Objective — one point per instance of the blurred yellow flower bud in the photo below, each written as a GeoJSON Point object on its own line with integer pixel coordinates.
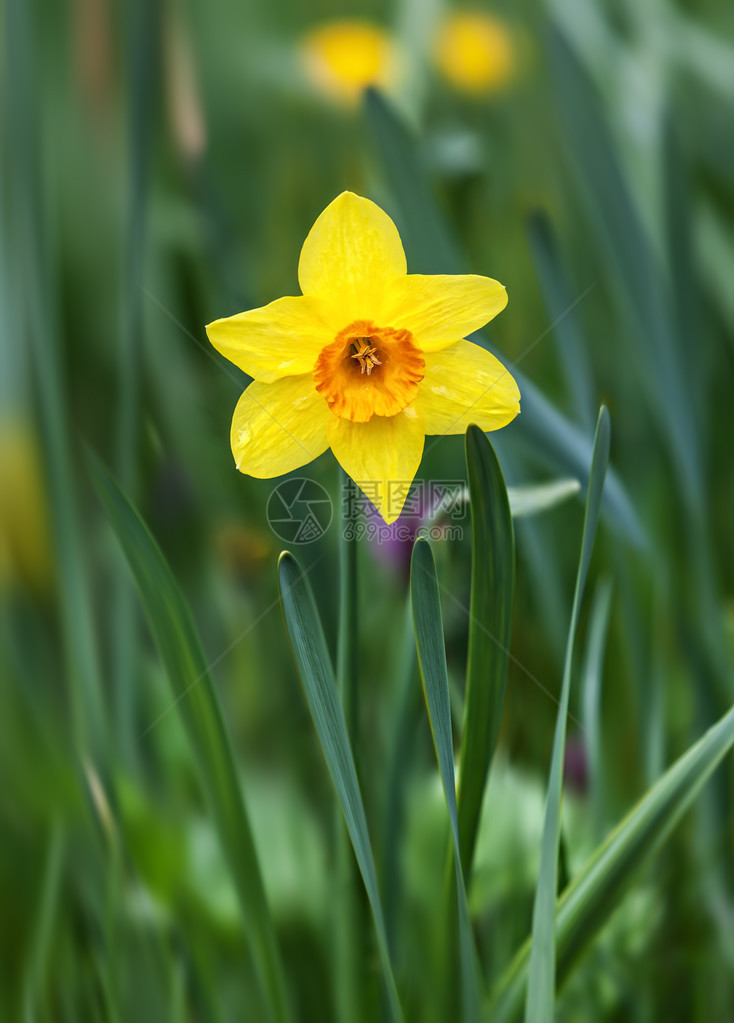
{"type": "Point", "coordinates": [342, 58]}
{"type": "Point", "coordinates": [243, 551]}
{"type": "Point", "coordinates": [25, 549]}
{"type": "Point", "coordinates": [475, 52]}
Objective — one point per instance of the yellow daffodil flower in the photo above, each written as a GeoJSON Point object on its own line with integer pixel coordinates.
{"type": "Point", "coordinates": [475, 52]}
{"type": "Point", "coordinates": [367, 361]}
{"type": "Point", "coordinates": [342, 58]}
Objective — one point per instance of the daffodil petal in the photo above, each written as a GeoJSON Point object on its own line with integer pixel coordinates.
{"type": "Point", "coordinates": [438, 310]}
{"type": "Point", "coordinates": [382, 456]}
{"type": "Point", "coordinates": [465, 384]}
{"type": "Point", "coordinates": [278, 427]}
{"type": "Point", "coordinates": [351, 253]}
{"type": "Point", "coordinates": [277, 340]}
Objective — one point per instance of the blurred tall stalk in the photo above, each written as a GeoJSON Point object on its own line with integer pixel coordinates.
{"type": "Point", "coordinates": [33, 288]}
{"type": "Point", "coordinates": [142, 78]}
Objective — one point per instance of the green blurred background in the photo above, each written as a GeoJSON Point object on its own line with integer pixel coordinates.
{"type": "Point", "coordinates": [162, 164]}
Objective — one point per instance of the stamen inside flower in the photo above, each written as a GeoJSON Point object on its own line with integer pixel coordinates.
{"type": "Point", "coordinates": [369, 371]}
{"type": "Point", "coordinates": [365, 352]}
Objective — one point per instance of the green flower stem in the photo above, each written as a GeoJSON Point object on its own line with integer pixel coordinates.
{"type": "Point", "coordinates": [349, 923]}
{"type": "Point", "coordinates": [347, 652]}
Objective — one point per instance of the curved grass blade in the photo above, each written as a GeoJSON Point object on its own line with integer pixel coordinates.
{"type": "Point", "coordinates": [431, 248]}
{"type": "Point", "coordinates": [428, 625]}
{"type": "Point", "coordinates": [317, 677]}
{"type": "Point", "coordinates": [540, 497]}
{"type": "Point", "coordinates": [541, 982]}
{"type": "Point", "coordinates": [196, 700]}
{"type": "Point", "coordinates": [490, 620]}
{"type": "Point", "coordinates": [526, 500]}
{"type": "Point", "coordinates": [595, 892]}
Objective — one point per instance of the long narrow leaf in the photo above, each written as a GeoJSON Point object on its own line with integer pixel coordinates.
{"type": "Point", "coordinates": [568, 449]}
{"type": "Point", "coordinates": [142, 53]}
{"type": "Point", "coordinates": [428, 625]}
{"type": "Point", "coordinates": [594, 894]}
{"type": "Point", "coordinates": [490, 619]}
{"type": "Point", "coordinates": [591, 699]}
{"type": "Point", "coordinates": [535, 498]}
{"type": "Point", "coordinates": [612, 211]}
{"type": "Point", "coordinates": [197, 703]}
{"type": "Point", "coordinates": [558, 298]}
{"type": "Point", "coordinates": [33, 295]}
{"type": "Point", "coordinates": [541, 985]}
{"type": "Point", "coordinates": [317, 676]}
{"type": "Point", "coordinates": [43, 921]}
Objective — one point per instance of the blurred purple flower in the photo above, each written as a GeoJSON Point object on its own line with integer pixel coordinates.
{"type": "Point", "coordinates": [392, 545]}
{"type": "Point", "coordinates": [576, 765]}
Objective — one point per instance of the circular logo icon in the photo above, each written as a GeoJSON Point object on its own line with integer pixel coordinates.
{"type": "Point", "coordinates": [299, 510]}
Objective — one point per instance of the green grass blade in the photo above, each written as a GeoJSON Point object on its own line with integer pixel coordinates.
{"type": "Point", "coordinates": [33, 294]}
{"type": "Point", "coordinates": [595, 892]}
{"type": "Point", "coordinates": [44, 920]}
{"type": "Point", "coordinates": [558, 298]}
{"type": "Point", "coordinates": [431, 249]}
{"type": "Point", "coordinates": [591, 685]}
{"type": "Point", "coordinates": [317, 676]}
{"type": "Point", "coordinates": [428, 625]}
{"type": "Point", "coordinates": [612, 212]}
{"type": "Point", "coordinates": [142, 52]}
{"type": "Point", "coordinates": [717, 261]}
{"type": "Point", "coordinates": [490, 620]}
{"type": "Point", "coordinates": [684, 272]}
{"type": "Point", "coordinates": [567, 448]}
{"type": "Point", "coordinates": [541, 982]}
{"type": "Point", "coordinates": [197, 703]}
{"type": "Point", "coordinates": [540, 497]}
